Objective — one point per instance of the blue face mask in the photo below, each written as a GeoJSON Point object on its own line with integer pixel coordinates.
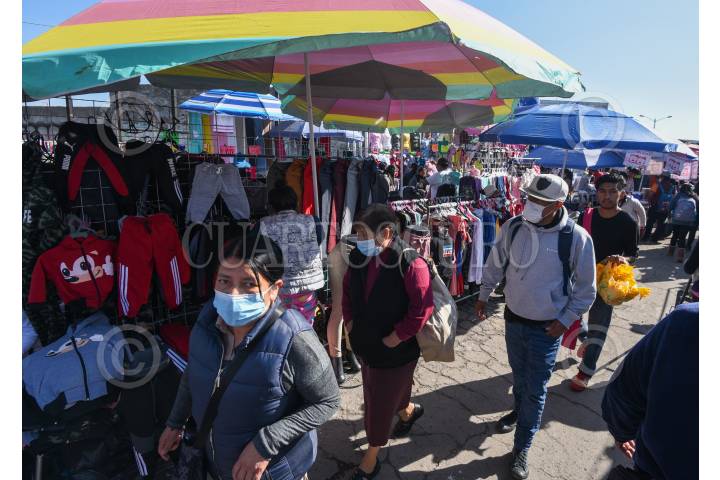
{"type": "Point", "coordinates": [239, 310]}
{"type": "Point", "coordinates": [368, 247]}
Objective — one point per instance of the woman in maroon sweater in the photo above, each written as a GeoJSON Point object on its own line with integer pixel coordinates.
{"type": "Point", "coordinates": [387, 298]}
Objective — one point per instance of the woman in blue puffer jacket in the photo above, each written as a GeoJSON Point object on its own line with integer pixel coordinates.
{"type": "Point", "coordinates": [285, 389]}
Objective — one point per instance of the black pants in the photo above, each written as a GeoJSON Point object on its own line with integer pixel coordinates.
{"type": "Point", "coordinates": [655, 219]}
{"type": "Point", "coordinates": [682, 236]}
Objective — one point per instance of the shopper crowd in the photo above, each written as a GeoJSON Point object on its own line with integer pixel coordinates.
{"type": "Point", "coordinates": [257, 382]}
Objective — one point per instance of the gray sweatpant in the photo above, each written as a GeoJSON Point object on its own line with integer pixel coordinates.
{"type": "Point", "coordinates": [211, 180]}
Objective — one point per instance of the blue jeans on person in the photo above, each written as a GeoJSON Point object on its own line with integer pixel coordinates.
{"type": "Point", "coordinates": [599, 319]}
{"type": "Point", "coordinates": [531, 352]}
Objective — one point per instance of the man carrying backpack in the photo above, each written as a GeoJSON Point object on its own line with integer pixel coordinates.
{"type": "Point", "coordinates": [659, 209]}
{"type": "Point", "coordinates": [549, 267]}
{"type": "Point", "coordinates": [684, 210]}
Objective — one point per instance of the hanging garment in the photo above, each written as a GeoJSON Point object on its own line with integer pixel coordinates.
{"type": "Point", "coordinates": [146, 243]}
{"type": "Point", "coordinates": [295, 178]}
{"type": "Point", "coordinates": [308, 198]}
{"type": "Point", "coordinates": [56, 369]}
{"type": "Point", "coordinates": [380, 188]}
{"type": "Point", "coordinates": [42, 221]}
{"type": "Point", "coordinates": [352, 195]}
{"type": "Point", "coordinates": [277, 173]}
{"type": "Point", "coordinates": [79, 268]}
{"type": "Point", "coordinates": [195, 134]}
{"type": "Point", "coordinates": [211, 180]}
{"type": "Point", "coordinates": [208, 143]}
{"type": "Point", "coordinates": [146, 162]}
{"type": "Point", "coordinates": [367, 180]}
{"type": "Point", "coordinates": [340, 173]}
{"type": "Point", "coordinates": [477, 256]}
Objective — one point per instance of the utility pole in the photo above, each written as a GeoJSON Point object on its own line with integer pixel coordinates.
{"type": "Point", "coordinates": [655, 120]}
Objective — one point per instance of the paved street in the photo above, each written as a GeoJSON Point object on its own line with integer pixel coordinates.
{"type": "Point", "coordinates": [455, 439]}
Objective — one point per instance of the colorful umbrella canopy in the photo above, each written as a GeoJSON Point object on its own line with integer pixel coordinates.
{"type": "Point", "coordinates": [252, 44]}
{"type": "Point", "coordinates": [576, 159]}
{"type": "Point", "coordinates": [237, 104]}
{"type": "Point", "coordinates": [411, 115]}
{"type": "Point", "coordinates": [575, 126]}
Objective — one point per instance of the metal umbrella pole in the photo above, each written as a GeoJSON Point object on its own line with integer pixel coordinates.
{"type": "Point", "coordinates": [311, 139]}
{"type": "Point", "coordinates": [402, 132]}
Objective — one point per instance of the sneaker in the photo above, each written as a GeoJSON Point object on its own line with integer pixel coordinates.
{"type": "Point", "coordinates": [507, 423]}
{"type": "Point", "coordinates": [579, 382]}
{"type": "Point", "coordinates": [519, 467]}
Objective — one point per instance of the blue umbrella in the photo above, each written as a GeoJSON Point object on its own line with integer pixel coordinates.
{"type": "Point", "coordinates": [575, 126]}
{"type": "Point", "coordinates": [237, 104]}
{"type": "Point", "coordinates": [576, 159]}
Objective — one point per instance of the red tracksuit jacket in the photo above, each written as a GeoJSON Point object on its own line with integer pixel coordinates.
{"type": "Point", "coordinates": [80, 268]}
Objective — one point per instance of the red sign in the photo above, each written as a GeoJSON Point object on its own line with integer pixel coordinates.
{"type": "Point", "coordinates": [254, 150]}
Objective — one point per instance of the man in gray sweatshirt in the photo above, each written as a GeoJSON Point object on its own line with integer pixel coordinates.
{"type": "Point", "coordinates": [544, 293]}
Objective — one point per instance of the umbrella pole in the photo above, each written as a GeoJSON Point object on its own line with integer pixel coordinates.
{"type": "Point", "coordinates": [402, 133]}
{"type": "Point", "coordinates": [311, 139]}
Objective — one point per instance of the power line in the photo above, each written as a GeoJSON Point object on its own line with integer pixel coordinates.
{"type": "Point", "coordinates": [38, 24]}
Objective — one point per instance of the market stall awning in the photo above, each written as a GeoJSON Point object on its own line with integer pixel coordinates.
{"type": "Point", "coordinates": [412, 115]}
{"type": "Point", "coordinates": [237, 104]}
{"type": "Point", "coordinates": [576, 159]}
{"type": "Point", "coordinates": [300, 128]}
{"type": "Point", "coordinates": [252, 44]}
{"type": "Point", "coordinates": [576, 126]}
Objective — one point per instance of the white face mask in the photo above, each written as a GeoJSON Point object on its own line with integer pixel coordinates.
{"type": "Point", "coordinates": [533, 212]}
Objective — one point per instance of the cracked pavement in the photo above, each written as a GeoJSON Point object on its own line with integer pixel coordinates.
{"type": "Point", "coordinates": [455, 439]}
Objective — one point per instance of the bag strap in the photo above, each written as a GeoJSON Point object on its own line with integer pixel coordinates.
{"type": "Point", "coordinates": [513, 228]}
{"type": "Point", "coordinates": [587, 220]}
{"type": "Point", "coordinates": [565, 239]}
{"type": "Point", "coordinates": [225, 377]}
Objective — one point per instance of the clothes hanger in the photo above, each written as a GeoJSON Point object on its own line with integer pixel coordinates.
{"type": "Point", "coordinates": [78, 228]}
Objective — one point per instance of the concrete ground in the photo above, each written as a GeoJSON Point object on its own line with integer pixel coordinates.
{"type": "Point", "coordinates": [455, 440]}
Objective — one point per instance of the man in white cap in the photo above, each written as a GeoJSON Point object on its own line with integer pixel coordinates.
{"type": "Point", "coordinates": [549, 267]}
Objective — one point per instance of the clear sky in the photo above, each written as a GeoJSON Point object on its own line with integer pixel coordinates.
{"type": "Point", "coordinates": [640, 54]}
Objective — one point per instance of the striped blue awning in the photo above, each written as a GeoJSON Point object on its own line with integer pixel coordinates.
{"type": "Point", "coordinates": [237, 104]}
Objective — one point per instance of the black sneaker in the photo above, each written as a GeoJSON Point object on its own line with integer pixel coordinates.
{"type": "Point", "coordinates": [507, 423]}
{"type": "Point", "coordinates": [519, 467]}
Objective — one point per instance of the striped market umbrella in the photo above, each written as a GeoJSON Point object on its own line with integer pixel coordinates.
{"type": "Point", "coordinates": [237, 104]}
{"type": "Point", "coordinates": [249, 45]}
{"type": "Point", "coordinates": [409, 49]}
{"type": "Point", "coordinates": [399, 116]}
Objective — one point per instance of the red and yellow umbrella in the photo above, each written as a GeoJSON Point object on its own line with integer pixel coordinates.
{"type": "Point", "coordinates": [443, 49]}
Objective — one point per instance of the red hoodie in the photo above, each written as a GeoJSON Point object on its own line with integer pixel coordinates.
{"type": "Point", "coordinates": [80, 268]}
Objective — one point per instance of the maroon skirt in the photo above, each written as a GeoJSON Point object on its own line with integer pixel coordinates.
{"type": "Point", "coordinates": [386, 391]}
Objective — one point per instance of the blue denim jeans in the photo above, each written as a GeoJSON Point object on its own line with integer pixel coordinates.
{"type": "Point", "coordinates": [598, 325]}
{"type": "Point", "coordinates": [531, 353]}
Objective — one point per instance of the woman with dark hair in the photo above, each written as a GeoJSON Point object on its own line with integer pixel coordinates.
{"type": "Point", "coordinates": [387, 299]}
{"type": "Point", "coordinates": [280, 389]}
{"type": "Point", "coordinates": [299, 237]}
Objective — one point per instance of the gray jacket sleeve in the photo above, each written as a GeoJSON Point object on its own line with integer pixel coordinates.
{"type": "Point", "coordinates": [584, 285]}
{"type": "Point", "coordinates": [308, 371]}
{"type": "Point", "coordinates": [640, 210]}
{"type": "Point", "coordinates": [494, 268]}
{"type": "Point", "coordinates": [182, 406]}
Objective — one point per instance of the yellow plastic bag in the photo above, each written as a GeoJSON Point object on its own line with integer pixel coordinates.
{"type": "Point", "coordinates": [616, 283]}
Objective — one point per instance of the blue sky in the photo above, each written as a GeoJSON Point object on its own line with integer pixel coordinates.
{"type": "Point", "coordinates": [640, 54]}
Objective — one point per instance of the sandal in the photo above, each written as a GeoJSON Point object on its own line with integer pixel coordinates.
{"type": "Point", "coordinates": [402, 427]}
